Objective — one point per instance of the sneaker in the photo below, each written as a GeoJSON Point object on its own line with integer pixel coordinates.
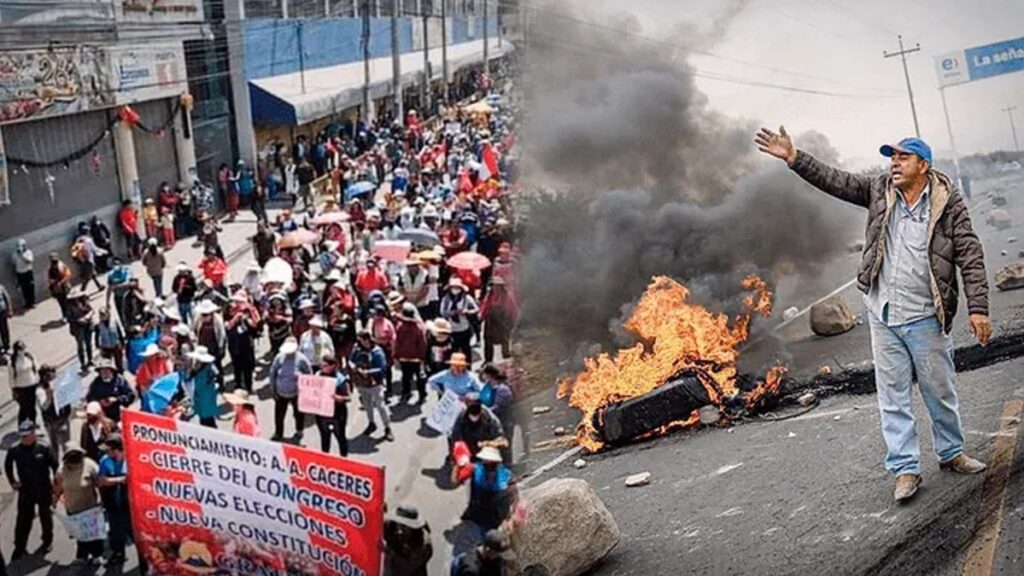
{"type": "Point", "coordinates": [370, 429]}
{"type": "Point", "coordinates": [297, 437]}
{"type": "Point", "coordinates": [44, 549]}
{"type": "Point", "coordinates": [906, 487]}
{"type": "Point", "coordinates": [963, 464]}
{"type": "Point", "coordinates": [388, 435]}
{"type": "Point", "coordinates": [116, 558]}
{"type": "Point", "coordinates": [276, 438]}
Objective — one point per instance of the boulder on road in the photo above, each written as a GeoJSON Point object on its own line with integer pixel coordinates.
{"type": "Point", "coordinates": [1011, 276]}
{"type": "Point", "coordinates": [568, 530]}
{"type": "Point", "coordinates": [831, 317]}
{"type": "Point", "coordinates": [999, 219]}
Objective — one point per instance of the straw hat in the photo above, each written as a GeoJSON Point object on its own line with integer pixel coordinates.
{"type": "Point", "coordinates": [206, 307]}
{"type": "Point", "coordinates": [171, 313]}
{"type": "Point", "coordinates": [395, 298]}
{"type": "Point", "coordinates": [334, 276]}
{"type": "Point", "coordinates": [306, 304]}
{"type": "Point", "coordinates": [93, 409]}
{"type": "Point", "coordinates": [290, 346]}
{"type": "Point", "coordinates": [201, 354]}
{"type": "Point", "coordinates": [456, 282]}
{"type": "Point", "coordinates": [182, 330]}
{"type": "Point", "coordinates": [240, 296]}
{"type": "Point", "coordinates": [239, 398]}
{"type": "Point", "coordinates": [407, 516]}
{"type": "Point", "coordinates": [317, 321]}
{"type": "Point", "coordinates": [151, 350]}
{"type": "Point", "coordinates": [489, 454]}
{"type": "Point", "coordinates": [441, 326]}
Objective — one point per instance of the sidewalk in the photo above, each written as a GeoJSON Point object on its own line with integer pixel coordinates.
{"type": "Point", "coordinates": [51, 342]}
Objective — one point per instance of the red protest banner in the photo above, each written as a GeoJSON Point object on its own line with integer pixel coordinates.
{"type": "Point", "coordinates": [316, 395]}
{"type": "Point", "coordinates": [208, 501]}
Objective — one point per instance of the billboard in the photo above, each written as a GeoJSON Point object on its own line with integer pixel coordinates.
{"type": "Point", "coordinates": [980, 62]}
{"type": "Point", "coordinates": [208, 501]}
{"type": "Point", "coordinates": [148, 72]}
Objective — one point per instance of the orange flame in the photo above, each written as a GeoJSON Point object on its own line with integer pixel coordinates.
{"type": "Point", "coordinates": [674, 335]}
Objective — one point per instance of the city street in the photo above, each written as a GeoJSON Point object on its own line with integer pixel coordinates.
{"type": "Point", "coordinates": [413, 462]}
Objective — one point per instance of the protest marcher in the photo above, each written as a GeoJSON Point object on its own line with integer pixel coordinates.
{"type": "Point", "coordinates": [920, 228]}
{"type": "Point", "coordinates": [29, 466]}
{"type": "Point", "coordinates": [457, 378]}
{"type": "Point", "coordinates": [55, 422]}
{"type": "Point", "coordinates": [211, 333]}
{"type": "Point", "coordinates": [58, 280]}
{"type": "Point", "coordinates": [315, 343]}
{"type": "Point", "coordinates": [252, 283]}
{"type": "Point", "coordinates": [118, 287]}
{"type": "Point", "coordinates": [279, 321]}
{"type": "Point", "coordinates": [203, 375]}
{"type": "Point", "coordinates": [139, 338]}
{"type": "Point", "coordinates": [155, 262]}
{"type": "Point", "coordinates": [128, 223]}
{"type": "Point", "coordinates": [214, 269]}
{"type": "Point", "coordinates": [439, 346]}
{"type": "Point", "coordinates": [491, 493]}
{"type": "Point", "coordinates": [458, 306]}
{"type": "Point", "coordinates": [407, 545]}
{"type": "Point", "coordinates": [24, 261]}
{"type": "Point", "coordinates": [84, 253]}
{"type": "Point", "coordinates": [242, 329]}
{"type": "Point", "coordinates": [304, 174]}
{"type": "Point", "coordinates": [82, 325]}
{"type": "Point", "coordinates": [383, 331]}
{"type": "Point", "coordinates": [24, 375]}
{"type": "Point", "coordinates": [184, 288]}
{"type": "Point", "coordinates": [154, 366]}
{"type": "Point", "coordinates": [499, 397]}
{"type": "Point", "coordinates": [477, 426]}
{"type": "Point", "coordinates": [6, 312]}
{"type": "Point", "coordinates": [334, 425]}
{"type": "Point", "coordinates": [150, 219]}
{"type": "Point", "coordinates": [367, 366]}
{"type": "Point", "coordinates": [499, 312]}
{"type": "Point", "coordinates": [284, 381]}
{"type": "Point", "coordinates": [110, 338]}
{"type": "Point", "coordinates": [264, 244]}
{"type": "Point", "coordinates": [110, 390]}
{"type": "Point", "coordinates": [76, 485]}
{"type": "Point", "coordinates": [113, 484]}
{"type": "Point", "coordinates": [370, 279]}
{"type": "Point", "coordinates": [95, 430]}
{"type": "Point", "coordinates": [102, 239]}
{"type": "Point", "coordinates": [247, 423]}
{"type": "Point", "coordinates": [492, 557]}
{"type": "Point", "coordinates": [410, 351]}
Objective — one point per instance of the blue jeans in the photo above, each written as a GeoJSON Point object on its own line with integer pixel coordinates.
{"type": "Point", "coordinates": [158, 285]}
{"type": "Point", "coordinates": [899, 352]}
{"type": "Point", "coordinates": [185, 310]}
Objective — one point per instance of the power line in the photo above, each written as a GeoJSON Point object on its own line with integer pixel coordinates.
{"type": "Point", "coordinates": [869, 23]}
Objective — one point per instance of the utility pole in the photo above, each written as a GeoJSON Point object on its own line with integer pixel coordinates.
{"type": "Point", "coordinates": [367, 113]}
{"type": "Point", "coordinates": [444, 47]}
{"type": "Point", "coordinates": [1013, 129]}
{"type": "Point", "coordinates": [903, 57]}
{"type": "Point", "coordinates": [497, 16]}
{"type": "Point", "coordinates": [396, 64]}
{"type": "Point", "coordinates": [427, 7]}
{"type": "Point", "coordinates": [487, 55]}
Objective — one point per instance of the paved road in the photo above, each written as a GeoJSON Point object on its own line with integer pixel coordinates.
{"type": "Point", "coordinates": [810, 495]}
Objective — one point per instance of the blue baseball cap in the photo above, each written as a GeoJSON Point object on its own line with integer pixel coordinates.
{"type": "Point", "coordinates": [911, 145]}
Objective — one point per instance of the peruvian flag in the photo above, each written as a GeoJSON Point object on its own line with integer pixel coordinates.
{"type": "Point", "coordinates": [489, 163]}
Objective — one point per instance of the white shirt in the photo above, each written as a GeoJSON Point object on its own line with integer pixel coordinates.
{"type": "Point", "coordinates": [411, 286]}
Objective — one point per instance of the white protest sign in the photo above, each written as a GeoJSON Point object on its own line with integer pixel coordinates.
{"type": "Point", "coordinates": [446, 412]}
{"type": "Point", "coordinates": [87, 526]}
{"type": "Point", "coordinates": [316, 395]}
{"type": "Point", "coordinates": [67, 389]}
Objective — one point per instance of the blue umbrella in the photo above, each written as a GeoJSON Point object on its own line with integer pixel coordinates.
{"type": "Point", "coordinates": [361, 188]}
{"type": "Point", "coordinates": [162, 391]}
{"type": "Point", "coordinates": [420, 236]}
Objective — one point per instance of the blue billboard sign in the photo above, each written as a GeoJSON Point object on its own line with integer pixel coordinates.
{"type": "Point", "coordinates": [980, 62]}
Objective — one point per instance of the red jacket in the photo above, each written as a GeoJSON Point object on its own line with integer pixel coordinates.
{"type": "Point", "coordinates": [129, 220]}
{"type": "Point", "coordinates": [214, 270]}
{"type": "Point", "coordinates": [369, 280]}
{"type": "Point", "coordinates": [410, 341]}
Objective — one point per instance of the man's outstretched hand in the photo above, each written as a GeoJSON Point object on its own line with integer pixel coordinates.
{"type": "Point", "coordinates": [981, 327]}
{"type": "Point", "coordinates": [779, 145]}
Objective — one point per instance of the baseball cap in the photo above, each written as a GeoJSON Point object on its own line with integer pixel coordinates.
{"type": "Point", "coordinates": [912, 145]}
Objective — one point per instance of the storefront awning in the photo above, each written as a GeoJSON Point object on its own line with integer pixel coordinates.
{"type": "Point", "coordinates": [299, 98]}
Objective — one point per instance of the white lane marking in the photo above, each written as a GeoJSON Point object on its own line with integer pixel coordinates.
{"type": "Point", "coordinates": [540, 471]}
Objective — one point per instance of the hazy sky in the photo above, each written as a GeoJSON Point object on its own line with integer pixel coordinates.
{"type": "Point", "coordinates": [836, 46]}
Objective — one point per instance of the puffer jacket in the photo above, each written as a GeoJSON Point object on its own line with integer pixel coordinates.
{"type": "Point", "coordinates": [952, 242]}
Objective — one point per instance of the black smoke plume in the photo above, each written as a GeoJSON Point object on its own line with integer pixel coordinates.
{"type": "Point", "coordinates": [644, 178]}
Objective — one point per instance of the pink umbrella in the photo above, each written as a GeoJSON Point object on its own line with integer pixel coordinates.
{"type": "Point", "coordinates": [392, 250]}
{"type": "Point", "coordinates": [298, 238]}
{"type": "Point", "coordinates": [331, 218]}
{"type": "Point", "coordinates": [469, 261]}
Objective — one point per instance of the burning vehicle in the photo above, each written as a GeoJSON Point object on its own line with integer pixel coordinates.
{"type": "Point", "coordinates": [685, 359]}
